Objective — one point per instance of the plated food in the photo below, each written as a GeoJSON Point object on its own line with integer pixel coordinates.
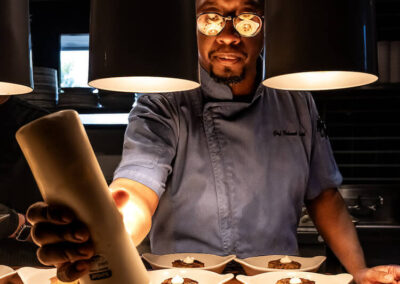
{"type": "Point", "coordinates": [270, 263]}
{"type": "Point", "coordinates": [295, 277]}
{"type": "Point", "coordinates": [187, 262]}
{"type": "Point", "coordinates": [189, 276]}
{"type": "Point", "coordinates": [295, 280]}
{"type": "Point", "coordinates": [203, 261]}
{"type": "Point", "coordinates": [29, 275]}
{"type": "Point", "coordinates": [284, 263]}
{"type": "Point", "coordinates": [179, 280]}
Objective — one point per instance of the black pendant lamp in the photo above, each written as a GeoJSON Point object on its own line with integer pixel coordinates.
{"type": "Point", "coordinates": [319, 44]}
{"type": "Point", "coordinates": [143, 46]}
{"type": "Point", "coordinates": [15, 49]}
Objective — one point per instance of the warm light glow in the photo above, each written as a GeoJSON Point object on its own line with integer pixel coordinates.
{"type": "Point", "coordinates": [104, 118]}
{"type": "Point", "coordinates": [7, 89]}
{"type": "Point", "coordinates": [133, 217]}
{"type": "Point", "coordinates": [144, 84]}
{"type": "Point", "coordinates": [322, 80]}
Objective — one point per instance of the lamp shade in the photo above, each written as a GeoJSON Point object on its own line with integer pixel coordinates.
{"type": "Point", "coordinates": [143, 46]}
{"type": "Point", "coordinates": [319, 45]}
{"type": "Point", "coordinates": [15, 49]}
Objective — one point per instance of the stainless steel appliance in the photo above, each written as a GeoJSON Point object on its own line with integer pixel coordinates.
{"type": "Point", "coordinates": [376, 214]}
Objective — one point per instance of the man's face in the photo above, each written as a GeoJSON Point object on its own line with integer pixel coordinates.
{"type": "Point", "coordinates": [228, 56]}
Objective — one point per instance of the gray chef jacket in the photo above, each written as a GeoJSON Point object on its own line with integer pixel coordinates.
{"type": "Point", "coordinates": [231, 176]}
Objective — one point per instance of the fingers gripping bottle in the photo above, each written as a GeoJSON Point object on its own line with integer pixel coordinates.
{"type": "Point", "coordinates": [66, 170]}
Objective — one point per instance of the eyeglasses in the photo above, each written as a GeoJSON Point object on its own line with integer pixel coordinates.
{"type": "Point", "coordinates": [246, 24]}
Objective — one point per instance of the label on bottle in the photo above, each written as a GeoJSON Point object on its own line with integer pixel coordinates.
{"type": "Point", "coordinates": [99, 268]}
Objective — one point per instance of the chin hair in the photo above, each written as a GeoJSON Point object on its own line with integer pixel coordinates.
{"type": "Point", "coordinates": [227, 80]}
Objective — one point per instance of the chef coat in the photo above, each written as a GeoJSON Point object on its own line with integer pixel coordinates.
{"type": "Point", "coordinates": [231, 176]}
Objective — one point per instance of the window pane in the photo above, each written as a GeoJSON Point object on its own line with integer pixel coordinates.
{"type": "Point", "coordinates": [74, 60]}
{"type": "Point", "coordinates": [74, 68]}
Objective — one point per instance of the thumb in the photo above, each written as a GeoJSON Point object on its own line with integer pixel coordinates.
{"type": "Point", "coordinates": [121, 197]}
{"type": "Point", "coordinates": [380, 276]}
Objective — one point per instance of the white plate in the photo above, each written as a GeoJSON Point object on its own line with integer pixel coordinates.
{"type": "Point", "coordinates": [259, 264]}
{"type": "Point", "coordinates": [30, 275]}
{"type": "Point", "coordinates": [273, 277]}
{"type": "Point", "coordinates": [201, 276]}
{"type": "Point", "coordinates": [211, 262]}
{"type": "Point", "coordinates": [5, 270]}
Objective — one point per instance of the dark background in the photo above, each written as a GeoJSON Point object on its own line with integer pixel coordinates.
{"type": "Point", "coordinates": [50, 18]}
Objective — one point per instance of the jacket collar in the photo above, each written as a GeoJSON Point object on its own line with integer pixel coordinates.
{"type": "Point", "coordinates": [217, 91]}
{"type": "Point", "coordinates": [212, 89]}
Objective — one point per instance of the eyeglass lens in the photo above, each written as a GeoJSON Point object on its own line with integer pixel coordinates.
{"type": "Point", "coordinates": [211, 24]}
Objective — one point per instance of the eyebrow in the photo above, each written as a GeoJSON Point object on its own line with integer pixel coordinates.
{"type": "Point", "coordinates": [206, 5]}
{"type": "Point", "coordinates": [248, 4]}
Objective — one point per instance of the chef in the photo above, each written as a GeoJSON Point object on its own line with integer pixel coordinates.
{"type": "Point", "coordinates": [223, 169]}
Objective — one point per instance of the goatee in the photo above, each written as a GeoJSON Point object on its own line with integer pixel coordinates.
{"type": "Point", "coordinates": [227, 80]}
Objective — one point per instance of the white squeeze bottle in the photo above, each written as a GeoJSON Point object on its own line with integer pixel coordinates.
{"type": "Point", "coordinates": [66, 170]}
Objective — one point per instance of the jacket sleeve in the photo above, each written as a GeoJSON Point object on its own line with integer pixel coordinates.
{"type": "Point", "coordinates": [324, 172]}
{"type": "Point", "coordinates": [150, 142]}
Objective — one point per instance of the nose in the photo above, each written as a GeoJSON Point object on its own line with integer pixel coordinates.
{"type": "Point", "coordinates": [228, 35]}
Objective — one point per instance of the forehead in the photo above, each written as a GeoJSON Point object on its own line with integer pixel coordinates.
{"type": "Point", "coordinates": [229, 5]}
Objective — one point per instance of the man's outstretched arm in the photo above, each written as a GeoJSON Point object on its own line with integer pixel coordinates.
{"type": "Point", "coordinates": [330, 216]}
{"type": "Point", "coordinates": [142, 202]}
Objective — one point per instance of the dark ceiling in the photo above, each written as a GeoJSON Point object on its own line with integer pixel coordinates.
{"type": "Point", "coordinates": [387, 14]}
{"type": "Point", "coordinates": [388, 19]}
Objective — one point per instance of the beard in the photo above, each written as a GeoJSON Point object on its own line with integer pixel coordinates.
{"type": "Point", "coordinates": [228, 79]}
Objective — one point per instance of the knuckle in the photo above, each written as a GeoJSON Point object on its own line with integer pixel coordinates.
{"type": "Point", "coordinates": [42, 258]}
{"type": "Point", "coordinates": [68, 236]}
{"type": "Point", "coordinates": [43, 234]}
{"type": "Point", "coordinates": [60, 214]}
{"type": "Point", "coordinates": [54, 213]}
{"type": "Point", "coordinates": [79, 233]}
{"type": "Point", "coordinates": [73, 253]}
{"type": "Point", "coordinates": [37, 235]}
{"type": "Point", "coordinates": [70, 254]}
{"type": "Point", "coordinates": [86, 250]}
{"type": "Point", "coordinates": [66, 273]}
{"type": "Point", "coordinates": [46, 257]}
{"type": "Point", "coordinates": [35, 212]}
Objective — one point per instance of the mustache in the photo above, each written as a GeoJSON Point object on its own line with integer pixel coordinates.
{"type": "Point", "coordinates": [224, 49]}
